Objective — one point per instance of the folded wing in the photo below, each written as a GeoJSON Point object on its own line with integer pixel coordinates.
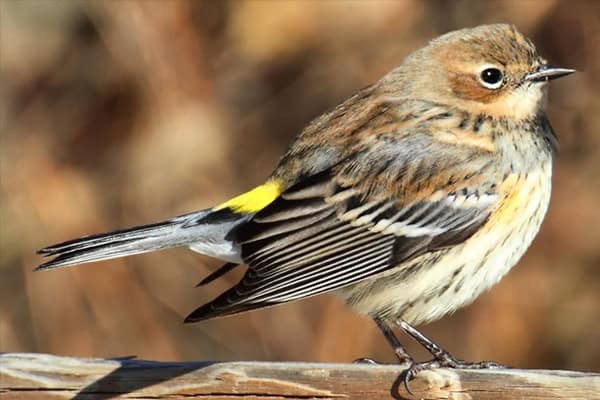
{"type": "Point", "coordinates": [322, 235]}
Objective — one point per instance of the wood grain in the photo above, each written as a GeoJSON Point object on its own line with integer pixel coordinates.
{"type": "Point", "coordinates": [42, 376]}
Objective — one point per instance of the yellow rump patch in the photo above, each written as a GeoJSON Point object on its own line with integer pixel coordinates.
{"type": "Point", "coordinates": [254, 200]}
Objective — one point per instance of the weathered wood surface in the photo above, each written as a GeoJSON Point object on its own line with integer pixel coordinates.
{"type": "Point", "coordinates": [41, 376]}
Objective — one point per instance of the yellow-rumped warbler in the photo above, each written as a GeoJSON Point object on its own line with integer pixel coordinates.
{"type": "Point", "coordinates": [408, 200]}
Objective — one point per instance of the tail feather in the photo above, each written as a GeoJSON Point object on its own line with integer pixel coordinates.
{"type": "Point", "coordinates": [218, 273]}
{"type": "Point", "coordinates": [185, 230]}
{"type": "Point", "coordinates": [101, 239]}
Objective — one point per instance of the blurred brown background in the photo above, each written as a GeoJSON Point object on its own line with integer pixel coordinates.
{"type": "Point", "coordinates": [125, 112]}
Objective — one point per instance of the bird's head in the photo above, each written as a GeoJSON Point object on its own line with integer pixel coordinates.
{"type": "Point", "coordinates": [491, 69]}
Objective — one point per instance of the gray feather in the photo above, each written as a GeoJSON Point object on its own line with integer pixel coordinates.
{"type": "Point", "coordinates": [201, 231]}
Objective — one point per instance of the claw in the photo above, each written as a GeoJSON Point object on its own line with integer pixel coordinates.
{"type": "Point", "coordinates": [447, 361]}
{"type": "Point", "coordinates": [366, 360]}
{"type": "Point", "coordinates": [414, 369]}
{"type": "Point", "coordinates": [408, 375]}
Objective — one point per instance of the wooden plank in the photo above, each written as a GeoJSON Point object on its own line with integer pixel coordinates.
{"type": "Point", "coordinates": [42, 376]}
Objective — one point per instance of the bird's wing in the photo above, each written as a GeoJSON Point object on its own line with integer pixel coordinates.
{"type": "Point", "coordinates": [353, 221]}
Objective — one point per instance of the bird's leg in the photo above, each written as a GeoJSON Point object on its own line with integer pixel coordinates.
{"type": "Point", "coordinates": [401, 353]}
{"type": "Point", "coordinates": [441, 357]}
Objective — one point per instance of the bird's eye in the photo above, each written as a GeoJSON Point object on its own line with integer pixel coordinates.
{"type": "Point", "coordinates": [491, 78]}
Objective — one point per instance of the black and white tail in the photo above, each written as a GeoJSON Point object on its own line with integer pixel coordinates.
{"type": "Point", "coordinates": [203, 231]}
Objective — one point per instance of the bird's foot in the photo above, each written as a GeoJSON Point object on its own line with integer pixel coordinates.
{"type": "Point", "coordinates": [366, 360]}
{"type": "Point", "coordinates": [370, 361]}
{"type": "Point", "coordinates": [445, 360]}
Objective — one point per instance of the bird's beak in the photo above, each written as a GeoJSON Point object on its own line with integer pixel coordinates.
{"type": "Point", "coordinates": [545, 73]}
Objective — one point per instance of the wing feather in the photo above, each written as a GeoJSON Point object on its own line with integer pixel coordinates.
{"type": "Point", "coordinates": [321, 235]}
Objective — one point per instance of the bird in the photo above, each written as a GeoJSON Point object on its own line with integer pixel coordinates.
{"type": "Point", "coordinates": [409, 199]}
